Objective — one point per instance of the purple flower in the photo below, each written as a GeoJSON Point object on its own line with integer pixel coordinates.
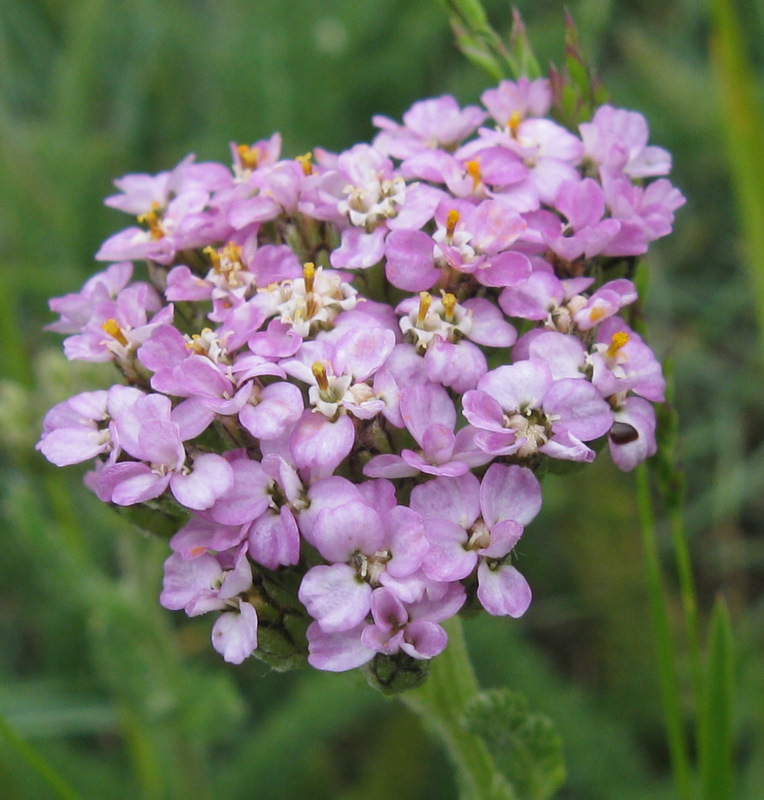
{"type": "Point", "coordinates": [147, 432]}
{"type": "Point", "coordinates": [396, 628]}
{"type": "Point", "coordinates": [617, 139]}
{"type": "Point", "coordinates": [339, 424]}
{"type": "Point", "coordinates": [477, 240]}
{"type": "Point", "coordinates": [510, 102]}
{"type": "Point", "coordinates": [520, 408]}
{"type": "Point", "coordinates": [215, 583]}
{"type": "Point", "coordinates": [337, 370]}
{"type": "Point", "coordinates": [644, 213]}
{"type": "Point", "coordinates": [469, 523]}
{"type": "Point", "coordinates": [76, 310]}
{"type": "Point", "coordinates": [430, 417]}
{"type": "Point", "coordinates": [585, 232]}
{"type": "Point", "coordinates": [632, 437]}
{"type": "Point", "coordinates": [428, 124]}
{"type": "Point", "coordinates": [622, 363]}
{"type": "Point", "coordinates": [80, 428]}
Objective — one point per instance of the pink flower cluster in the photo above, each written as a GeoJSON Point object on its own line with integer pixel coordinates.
{"type": "Point", "coordinates": [352, 365]}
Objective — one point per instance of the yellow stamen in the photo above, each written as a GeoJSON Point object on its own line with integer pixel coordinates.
{"type": "Point", "coordinates": [213, 256]}
{"type": "Point", "coordinates": [617, 341]}
{"type": "Point", "coordinates": [425, 300]}
{"type": "Point", "coordinates": [308, 273]}
{"type": "Point", "coordinates": [449, 304]}
{"type": "Point", "coordinates": [597, 313]}
{"type": "Point", "coordinates": [152, 220]}
{"type": "Point", "coordinates": [232, 252]}
{"type": "Point", "coordinates": [111, 326]}
{"type": "Point", "coordinates": [249, 156]}
{"type": "Point", "coordinates": [306, 162]}
{"type": "Point", "coordinates": [319, 373]}
{"type": "Point", "coordinates": [513, 123]}
{"type": "Point", "coordinates": [473, 170]}
{"type": "Point", "coordinates": [196, 345]}
{"type": "Point", "coordinates": [452, 220]}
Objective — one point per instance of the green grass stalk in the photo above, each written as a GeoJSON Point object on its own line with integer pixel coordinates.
{"type": "Point", "coordinates": [743, 122]}
{"type": "Point", "coordinates": [665, 648]}
{"type": "Point", "coordinates": [43, 768]}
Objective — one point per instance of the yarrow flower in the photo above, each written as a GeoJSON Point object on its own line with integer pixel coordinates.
{"type": "Point", "coordinates": [373, 356]}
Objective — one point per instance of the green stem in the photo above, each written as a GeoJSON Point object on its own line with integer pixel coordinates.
{"type": "Point", "coordinates": [689, 598]}
{"type": "Point", "coordinates": [440, 702]}
{"type": "Point", "coordinates": [666, 651]}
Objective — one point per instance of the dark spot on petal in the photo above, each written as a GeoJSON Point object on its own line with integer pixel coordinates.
{"type": "Point", "coordinates": [623, 433]}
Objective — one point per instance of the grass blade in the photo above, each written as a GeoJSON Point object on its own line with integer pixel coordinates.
{"type": "Point", "coordinates": [37, 763]}
{"type": "Point", "coordinates": [716, 725]}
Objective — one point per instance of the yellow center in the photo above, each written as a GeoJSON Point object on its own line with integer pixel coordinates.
{"type": "Point", "coordinates": [617, 341]}
{"type": "Point", "coordinates": [249, 156]}
{"type": "Point", "coordinates": [306, 162]}
{"type": "Point", "coordinates": [153, 221]}
{"type": "Point", "coordinates": [196, 344]}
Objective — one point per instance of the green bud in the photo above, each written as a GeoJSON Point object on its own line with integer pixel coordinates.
{"type": "Point", "coordinates": [395, 674]}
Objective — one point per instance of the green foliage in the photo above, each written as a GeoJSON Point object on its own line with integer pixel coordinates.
{"type": "Point", "coordinates": [482, 45]}
{"type": "Point", "coordinates": [577, 90]}
{"type": "Point", "coordinates": [743, 120]}
{"type": "Point", "coordinates": [525, 746]}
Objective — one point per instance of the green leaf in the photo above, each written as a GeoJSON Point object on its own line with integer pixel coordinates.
{"type": "Point", "coordinates": [470, 11]}
{"type": "Point", "coordinates": [521, 50]}
{"type": "Point", "coordinates": [576, 89]}
{"type": "Point", "coordinates": [476, 50]}
{"type": "Point", "coordinates": [716, 724]}
{"type": "Point", "coordinates": [525, 746]}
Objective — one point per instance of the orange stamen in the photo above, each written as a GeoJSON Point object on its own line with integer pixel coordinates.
{"type": "Point", "coordinates": [319, 373]}
{"type": "Point", "coordinates": [111, 326]}
{"type": "Point", "coordinates": [473, 170]}
{"type": "Point", "coordinates": [249, 156]}
{"type": "Point", "coordinates": [196, 345]}
{"type": "Point", "coordinates": [213, 256]}
{"type": "Point", "coordinates": [452, 220]}
{"type": "Point", "coordinates": [513, 123]}
{"type": "Point", "coordinates": [306, 162]}
{"type": "Point", "coordinates": [232, 252]}
{"type": "Point", "coordinates": [153, 221]}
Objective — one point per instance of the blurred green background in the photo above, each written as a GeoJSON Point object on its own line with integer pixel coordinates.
{"type": "Point", "coordinates": [122, 699]}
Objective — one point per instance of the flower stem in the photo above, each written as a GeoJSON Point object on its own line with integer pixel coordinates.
{"type": "Point", "coordinates": [440, 703]}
